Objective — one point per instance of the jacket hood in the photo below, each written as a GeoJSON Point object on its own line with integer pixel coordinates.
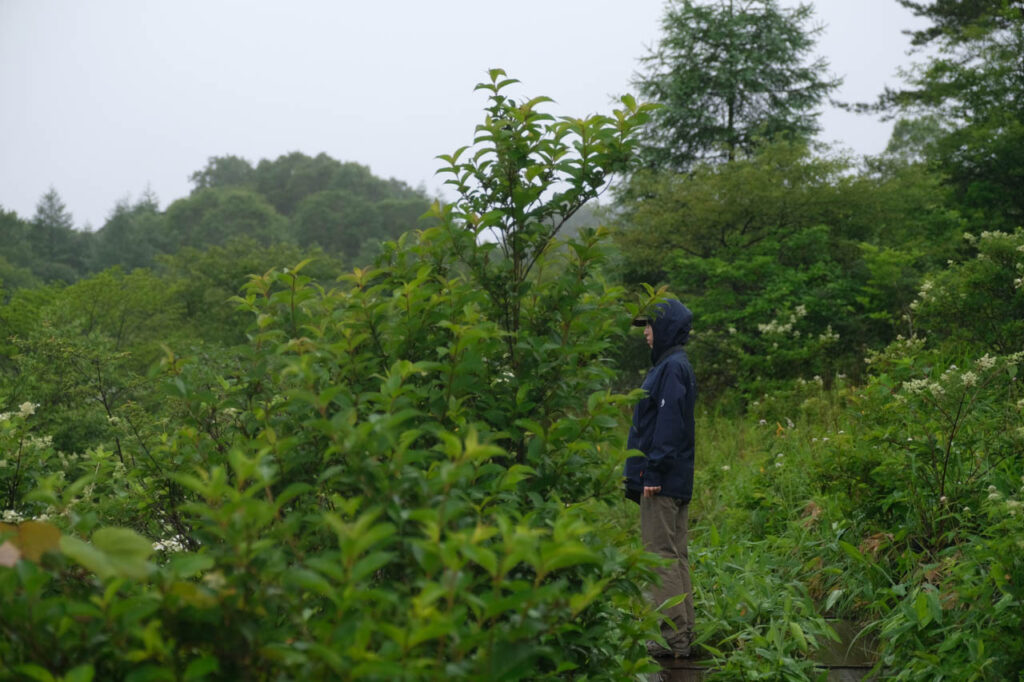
{"type": "Point", "coordinates": [671, 324]}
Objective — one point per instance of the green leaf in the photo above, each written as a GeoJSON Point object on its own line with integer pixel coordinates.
{"type": "Point", "coordinates": [114, 552]}
{"type": "Point", "coordinates": [833, 597]}
{"type": "Point", "coordinates": [531, 426]}
{"type": "Point", "coordinates": [483, 557]}
{"type": "Point", "coordinates": [512, 662]}
{"type": "Point", "coordinates": [80, 673]}
{"type": "Point", "coordinates": [582, 600]}
{"type": "Point", "coordinates": [187, 564]}
{"type": "Point", "coordinates": [567, 555]}
{"type": "Point", "coordinates": [201, 667]}
{"type": "Point", "coordinates": [291, 492]}
{"type": "Point", "coordinates": [714, 536]}
{"type": "Point", "coordinates": [126, 549]}
{"type": "Point", "coordinates": [434, 630]}
{"type": "Point", "coordinates": [370, 564]}
{"type": "Point", "coordinates": [310, 581]}
{"type": "Point", "coordinates": [852, 552]}
{"type": "Point", "coordinates": [133, 610]}
{"type": "Point", "coordinates": [515, 474]}
{"type": "Point", "coordinates": [193, 594]}
{"type": "Point", "coordinates": [87, 556]}
{"type": "Point", "coordinates": [150, 673]}
{"type": "Point", "coordinates": [36, 672]}
{"type": "Point", "coordinates": [921, 609]}
{"type": "Point", "coordinates": [934, 607]}
{"type": "Point", "coordinates": [798, 635]}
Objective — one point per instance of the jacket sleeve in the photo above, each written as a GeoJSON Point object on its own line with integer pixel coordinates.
{"type": "Point", "coordinates": [668, 426]}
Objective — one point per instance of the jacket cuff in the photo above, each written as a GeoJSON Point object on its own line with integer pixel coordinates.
{"type": "Point", "coordinates": [652, 479]}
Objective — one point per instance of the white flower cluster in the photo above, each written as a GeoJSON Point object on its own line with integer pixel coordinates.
{"type": "Point", "coordinates": [26, 409]}
{"type": "Point", "coordinates": [993, 234]}
{"type": "Point", "coordinates": [1013, 506]}
{"type": "Point", "coordinates": [41, 442]}
{"type": "Point", "coordinates": [174, 544]}
{"type": "Point", "coordinates": [922, 386]}
{"type": "Point", "coordinates": [11, 516]}
{"type": "Point", "coordinates": [68, 460]}
{"type": "Point", "coordinates": [986, 362]}
{"type": "Point", "coordinates": [923, 294]}
{"type": "Point", "coordinates": [776, 327]}
{"type": "Point", "coordinates": [902, 347]}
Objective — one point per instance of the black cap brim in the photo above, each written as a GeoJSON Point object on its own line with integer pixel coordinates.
{"type": "Point", "coordinates": [641, 321]}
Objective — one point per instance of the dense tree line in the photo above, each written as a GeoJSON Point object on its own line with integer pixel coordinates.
{"type": "Point", "coordinates": [797, 259]}
{"type": "Point", "coordinates": [310, 202]}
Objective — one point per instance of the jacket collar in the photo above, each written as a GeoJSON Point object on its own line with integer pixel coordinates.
{"type": "Point", "coordinates": [668, 352]}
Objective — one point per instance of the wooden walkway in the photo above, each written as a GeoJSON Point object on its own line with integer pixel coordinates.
{"type": "Point", "coordinates": [849, 660]}
{"type": "Point", "coordinates": [694, 671]}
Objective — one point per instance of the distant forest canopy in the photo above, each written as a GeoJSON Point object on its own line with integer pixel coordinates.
{"type": "Point", "coordinates": [798, 260]}
{"type": "Point", "coordinates": [310, 202]}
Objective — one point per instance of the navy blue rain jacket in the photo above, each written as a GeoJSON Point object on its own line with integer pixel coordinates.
{"type": "Point", "coordinates": [663, 421]}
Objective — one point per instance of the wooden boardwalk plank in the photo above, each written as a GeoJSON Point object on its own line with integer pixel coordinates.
{"type": "Point", "coordinates": [848, 660]}
{"type": "Point", "coordinates": [693, 672]}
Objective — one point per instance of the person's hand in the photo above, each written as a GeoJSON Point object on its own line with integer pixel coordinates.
{"type": "Point", "coordinates": [651, 491]}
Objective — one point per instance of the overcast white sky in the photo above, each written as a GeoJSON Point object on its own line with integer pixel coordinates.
{"type": "Point", "coordinates": [102, 98]}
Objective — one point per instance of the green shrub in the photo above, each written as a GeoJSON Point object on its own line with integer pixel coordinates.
{"type": "Point", "coordinates": [405, 476]}
{"type": "Point", "coordinates": [756, 615]}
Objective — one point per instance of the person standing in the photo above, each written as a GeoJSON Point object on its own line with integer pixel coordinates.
{"type": "Point", "coordinates": [661, 480]}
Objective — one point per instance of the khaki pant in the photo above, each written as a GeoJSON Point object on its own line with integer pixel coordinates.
{"type": "Point", "coordinates": [663, 528]}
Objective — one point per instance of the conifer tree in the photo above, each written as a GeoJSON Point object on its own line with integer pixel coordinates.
{"type": "Point", "coordinates": [57, 249]}
{"type": "Point", "coordinates": [728, 74]}
{"type": "Point", "coordinates": [973, 83]}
